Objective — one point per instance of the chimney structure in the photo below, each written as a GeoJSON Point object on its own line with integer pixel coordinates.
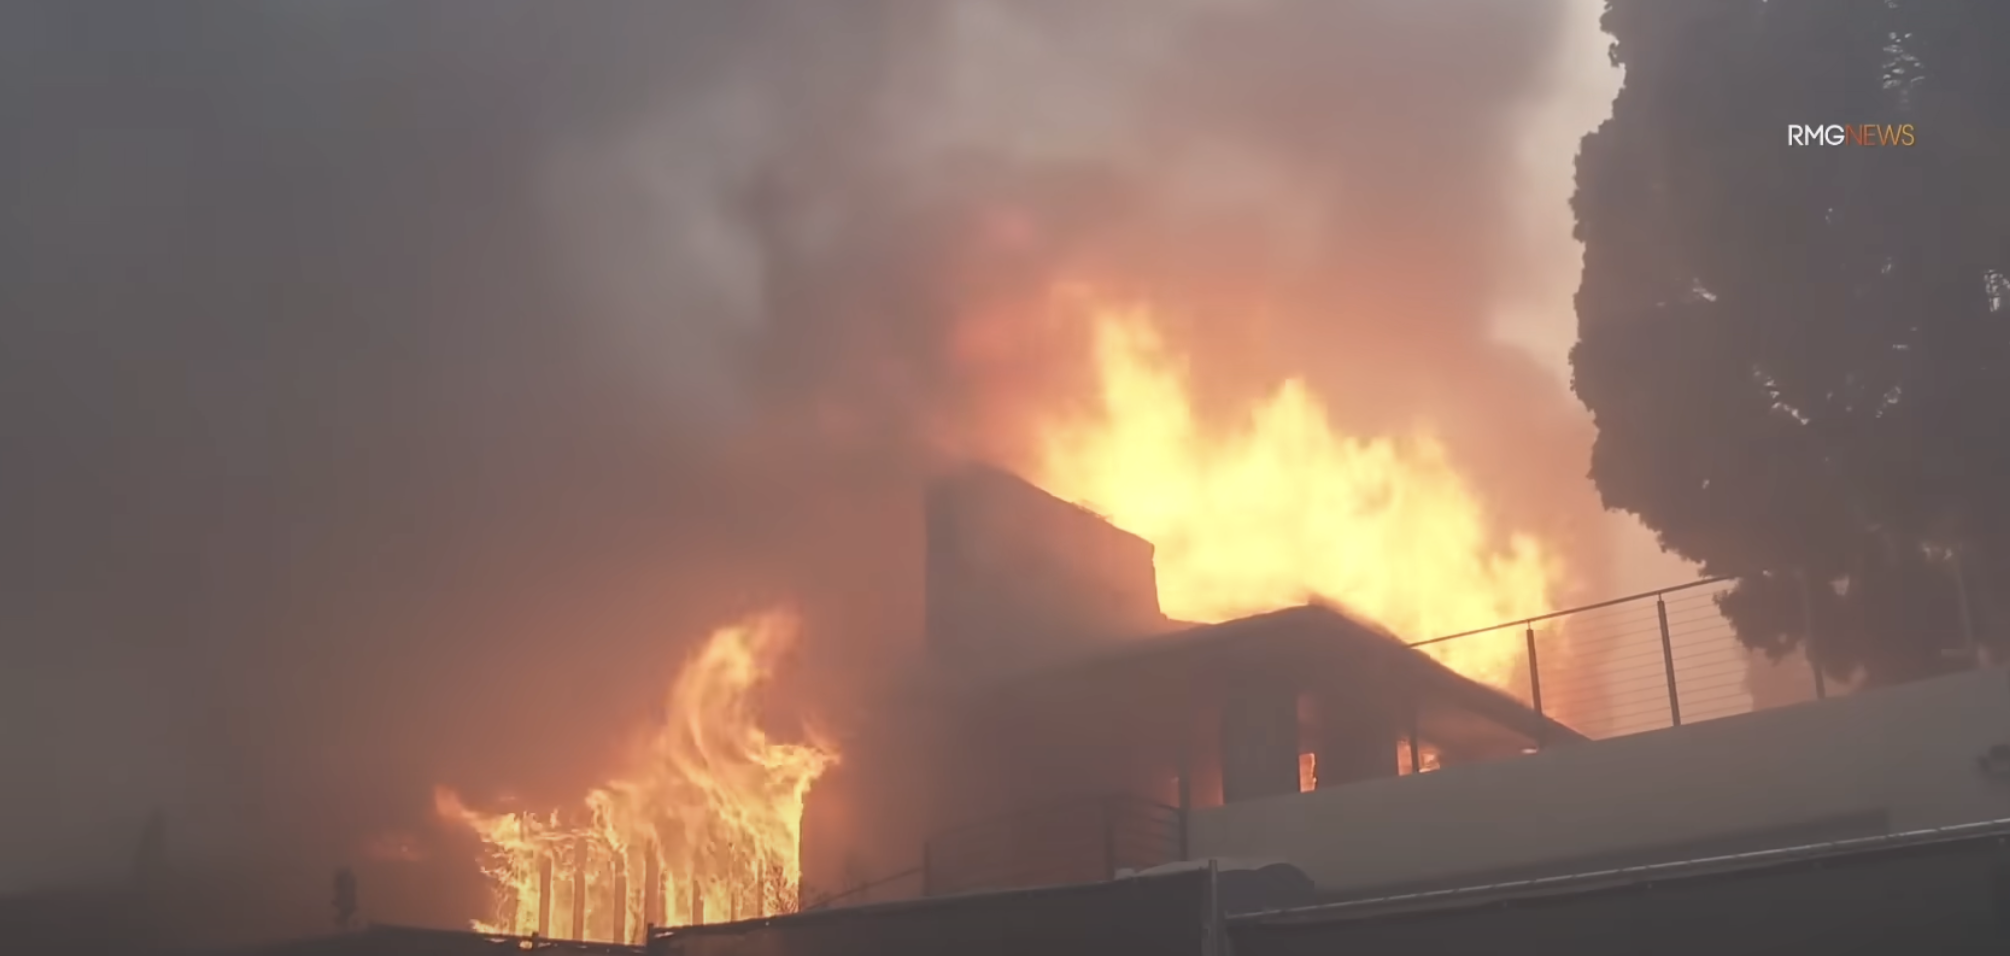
{"type": "Point", "coordinates": [1018, 579]}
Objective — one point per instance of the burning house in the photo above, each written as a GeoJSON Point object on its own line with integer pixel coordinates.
{"type": "Point", "coordinates": [1070, 726]}
{"type": "Point", "coordinates": [1079, 743]}
{"type": "Point", "coordinates": [1071, 763]}
{"type": "Point", "coordinates": [1076, 771]}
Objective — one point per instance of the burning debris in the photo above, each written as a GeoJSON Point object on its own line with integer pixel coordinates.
{"type": "Point", "coordinates": [705, 824]}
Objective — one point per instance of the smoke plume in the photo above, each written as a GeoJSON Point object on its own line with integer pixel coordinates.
{"type": "Point", "coordinates": [395, 389]}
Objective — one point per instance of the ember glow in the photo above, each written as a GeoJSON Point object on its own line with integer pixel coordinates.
{"type": "Point", "coordinates": [1282, 508]}
{"type": "Point", "coordinates": [705, 826]}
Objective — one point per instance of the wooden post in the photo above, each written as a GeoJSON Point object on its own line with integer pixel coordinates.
{"type": "Point", "coordinates": [545, 866]}
{"type": "Point", "coordinates": [620, 897]}
{"type": "Point", "coordinates": [1535, 691]}
{"type": "Point", "coordinates": [580, 859]}
{"type": "Point", "coordinates": [652, 888]}
{"type": "Point", "coordinates": [1971, 645]}
{"type": "Point", "coordinates": [1668, 663]}
{"type": "Point", "coordinates": [1185, 786]}
{"type": "Point", "coordinates": [1810, 636]}
{"type": "Point", "coordinates": [1416, 728]}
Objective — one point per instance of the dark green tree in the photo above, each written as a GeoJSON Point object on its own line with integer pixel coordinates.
{"type": "Point", "coordinates": [1798, 358]}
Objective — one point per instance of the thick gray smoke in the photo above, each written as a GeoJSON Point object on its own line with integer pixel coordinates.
{"type": "Point", "coordinates": [394, 389]}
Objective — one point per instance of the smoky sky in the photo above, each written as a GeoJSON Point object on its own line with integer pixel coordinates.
{"type": "Point", "coordinates": [394, 389]}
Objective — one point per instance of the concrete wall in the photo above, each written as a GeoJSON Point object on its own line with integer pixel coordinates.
{"type": "Point", "coordinates": [1898, 758]}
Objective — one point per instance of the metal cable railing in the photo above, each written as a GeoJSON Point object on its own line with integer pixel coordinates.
{"type": "Point", "coordinates": [1642, 662]}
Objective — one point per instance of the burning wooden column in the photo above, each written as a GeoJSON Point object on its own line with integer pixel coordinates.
{"type": "Point", "coordinates": [581, 868]}
{"type": "Point", "coordinates": [652, 886]}
{"type": "Point", "coordinates": [545, 864]}
{"type": "Point", "coordinates": [620, 932]}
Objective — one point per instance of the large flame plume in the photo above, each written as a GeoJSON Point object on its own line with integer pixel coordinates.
{"type": "Point", "coordinates": [705, 826]}
{"type": "Point", "coordinates": [1278, 508]}
{"type": "Point", "coordinates": [1283, 508]}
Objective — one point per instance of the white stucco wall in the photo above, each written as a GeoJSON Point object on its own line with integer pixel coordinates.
{"type": "Point", "coordinates": [1908, 751]}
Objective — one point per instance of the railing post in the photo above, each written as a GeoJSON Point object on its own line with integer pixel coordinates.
{"type": "Point", "coordinates": [1416, 722]}
{"type": "Point", "coordinates": [1809, 639]}
{"type": "Point", "coordinates": [1535, 690]}
{"type": "Point", "coordinates": [1969, 644]}
{"type": "Point", "coordinates": [1185, 788]}
{"type": "Point", "coordinates": [1668, 663]}
{"type": "Point", "coordinates": [1216, 944]}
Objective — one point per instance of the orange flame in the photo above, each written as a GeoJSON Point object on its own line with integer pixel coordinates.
{"type": "Point", "coordinates": [1282, 508]}
{"type": "Point", "coordinates": [705, 826]}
